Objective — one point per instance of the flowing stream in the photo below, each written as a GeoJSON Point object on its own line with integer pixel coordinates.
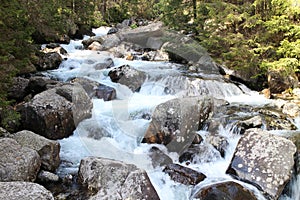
{"type": "Point", "coordinates": [117, 128]}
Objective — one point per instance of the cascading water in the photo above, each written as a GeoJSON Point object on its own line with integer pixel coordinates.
{"type": "Point", "coordinates": [117, 128]}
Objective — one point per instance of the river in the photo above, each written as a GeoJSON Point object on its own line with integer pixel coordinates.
{"type": "Point", "coordinates": [120, 128]}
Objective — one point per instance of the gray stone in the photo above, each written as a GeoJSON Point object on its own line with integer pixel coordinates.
{"type": "Point", "coordinates": [24, 191]}
{"type": "Point", "coordinates": [88, 85]}
{"type": "Point", "coordinates": [219, 142]}
{"type": "Point", "coordinates": [89, 41]}
{"type": "Point", "coordinates": [226, 190]}
{"type": "Point", "coordinates": [106, 93]}
{"type": "Point", "coordinates": [291, 109]}
{"type": "Point", "coordinates": [45, 176]}
{"type": "Point", "coordinates": [174, 122]}
{"type": "Point", "coordinates": [128, 76]}
{"type": "Point", "coordinates": [159, 158]}
{"type": "Point", "coordinates": [279, 81]}
{"type": "Point", "coordinates": [47, 149]}
{"type": "Point", "coordinates": [17, 163]}
{"type": "Point", "coordinates": [105, 64]}
{"type": "Point", "coordinates": [265, 160]}
{"type": "Point", "coordinates": [95, 46]}
{"type": "Point", "coordinates": [115, 180]}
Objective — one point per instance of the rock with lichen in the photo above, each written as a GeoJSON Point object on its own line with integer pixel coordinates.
{"type": "Point", "coordinates": [265, 160]}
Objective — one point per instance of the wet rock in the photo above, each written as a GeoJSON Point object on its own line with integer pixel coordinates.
{"type": "Point", "coordinates": [89, 41]}
{"type": "Point", "coordinates": [95, 46]}
{"type": "Point", "coordinates": [45, 176]}
{"type": "Point", "coordinates": [110, 41]}
{"type": "Point", "coordinates": [275, 120]}
{"type": "Point", "coordinates": [47, 149]}
{"type": "Point", "coordinates": [18, 163]}
{"type": "Point", "coordinates": [115, 180]}
{"type": "Point", "coordinates": [52, 45]}
{"type": "Point", "coordinates": [49, 61]}
{"type": "Point", "coordinates": [253, 122]}
{"type": "Point", "coordinates": [279, 81]}
{"type": "Point", "coordinates": [106, 93]}
{"type": "Point", "coordinates": [184, 175]}
{"type": "Point", "coordinates": [128, 76]}
{"type": "Point", "coordinates": [159, 158]}
{"type": "Point", "coordinates": [174, 122]}
{"type": "Point", "coordinates": [55, 113]}
{"type": "Point", "coordinates": [226, 190]}
{"type": "Point", "coordinates": [88, 85]}
{"type": "Point", "coordinates": [58, 49]}
{"type": "Point", "coordinates": [105, 64]}
{"type": "Point", "coordinates": [200, 153]}
{"type": "Point", "coordinates": [219, 142]}
{"type": "Point", "coordinates": [18, 89]}
{"type": "Point", "coordinates": [24, 190]}
{"type": "Point", "coordinates": [291, 109]}
{"type": "Point", "coordinates": [264, 160]}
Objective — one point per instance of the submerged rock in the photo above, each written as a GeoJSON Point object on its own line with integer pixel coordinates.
{"type": "Point", "coordinates": [264, 160]}
{"type": "Point", "coordinates": [174, 122]}
{"type": "Point", "coordinates": [47, 149]}
{"type": "Point", "coordinates": [224, 191]}
{"type": "Point", "coordinates": [17, 163]}
{"type": "Point", "coordinates": [184, 175]}
{"type": "Point", "coordinates": [113, 179]}
{"type": "Point", "coordinates": [128, 76]}
{"type": "Point", "coordinates": [24, 190]}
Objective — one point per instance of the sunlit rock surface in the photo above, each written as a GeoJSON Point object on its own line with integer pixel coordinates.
{"type": "Point", "coordinates": [113, 179]}
{"type": "Point", "coordinates": [264, 160]}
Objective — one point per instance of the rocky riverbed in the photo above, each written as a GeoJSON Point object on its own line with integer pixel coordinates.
{"type": "Point", "coordinates": [145, 113]}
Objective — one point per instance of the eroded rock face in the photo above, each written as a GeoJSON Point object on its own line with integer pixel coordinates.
{"type": "Point", "coordinates": [226, 190]}
{"type": "Point", "coordinates": [17, 163]}
{"type": "Point", "coordinates": [55, 113]}
{"type": "Point", "coordinates": [128, 76]}
{"type": "Point", "coordinates": [184, 175]}
{"type": "Point", "coordinates": [24, 190]}
{"type": "Point", "coordinates": [174, 122]}
{"type": "Point", "coordinates": [115, 180]}
{"type": "Point", "coordinates": [47, 149]}
{"type": "Point", "coordinates": [264, 160]}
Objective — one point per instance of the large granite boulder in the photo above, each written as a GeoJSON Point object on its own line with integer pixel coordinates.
{"type": "Point", "coordinates": [54, 113]}
{"type": "Point", "coordinates": [226, 190]}
{"type": "Point", "coordinates": [264, 160]}
{"type": "Point", "coordinates": [115, 180]}
{"type": "Point", "coordinates": [47, 149]}
{"type": "Point", "coordinates": [24, 191]}
{"type": "Point", "coordinates": [128, 76]}
{"type": "Point", "coordinates": [174, 122]}
{"type": "Point", "coordinates": [17, 163]}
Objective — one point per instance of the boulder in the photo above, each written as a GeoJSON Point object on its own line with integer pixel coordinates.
{"type": "Point", "coordinates": [128, 76]}
{"type": "Point", "coordinates": [54, 113]}
{"type": "Point", "coordinates": [38, 84]}
{"type": "Point", "coordinates": [88, 85]}
{"type": "Point", "coordinates": [110, 41]}
{"type": "Point", "coordinates": [45, 177]}
{"type": "Point", "coordinates": [265, 160]}
{"type": "Point", "coordinates": [18, 163]}
{"type": "Point", "coordinates": [174, 122]}
{"type": "Point", "coordinates": [105, 64]}
{"type": "Point", "coordinates": [252, 122]}
{"type": "Point", "coordinates": [24, 191]}
{"type": "Point", "coordinates": [159, 158]}
{"type": "Point", "coordinates": [112, 30]}
{"type": "Point", "coordinates": [106, 93]}
{"type": "Point", "coordinates": [219, 142]}
{"type": "Point", "coordinates": [47, 149]}
{"type": "Point", "coordinates": [90, 40]}
{"type": "Point", "coordinates": [95, 46]}
{"type": "Point", "coordinates": [276, 120]}
{"type": "Point", "coordinates": [115, 180]}
{"type": "Point", "coordinates": [183, 174]}
{"type": "Point", "coordinates": [18, 89]}
{"type": "Point", "coordinates": [226, 190]}
{"type": "Point", "coordinates": [49, 61]}
{"type": "Point", "coordinates": [54, 47]}
{"type": "Point", "coordinates": [279, 81]}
